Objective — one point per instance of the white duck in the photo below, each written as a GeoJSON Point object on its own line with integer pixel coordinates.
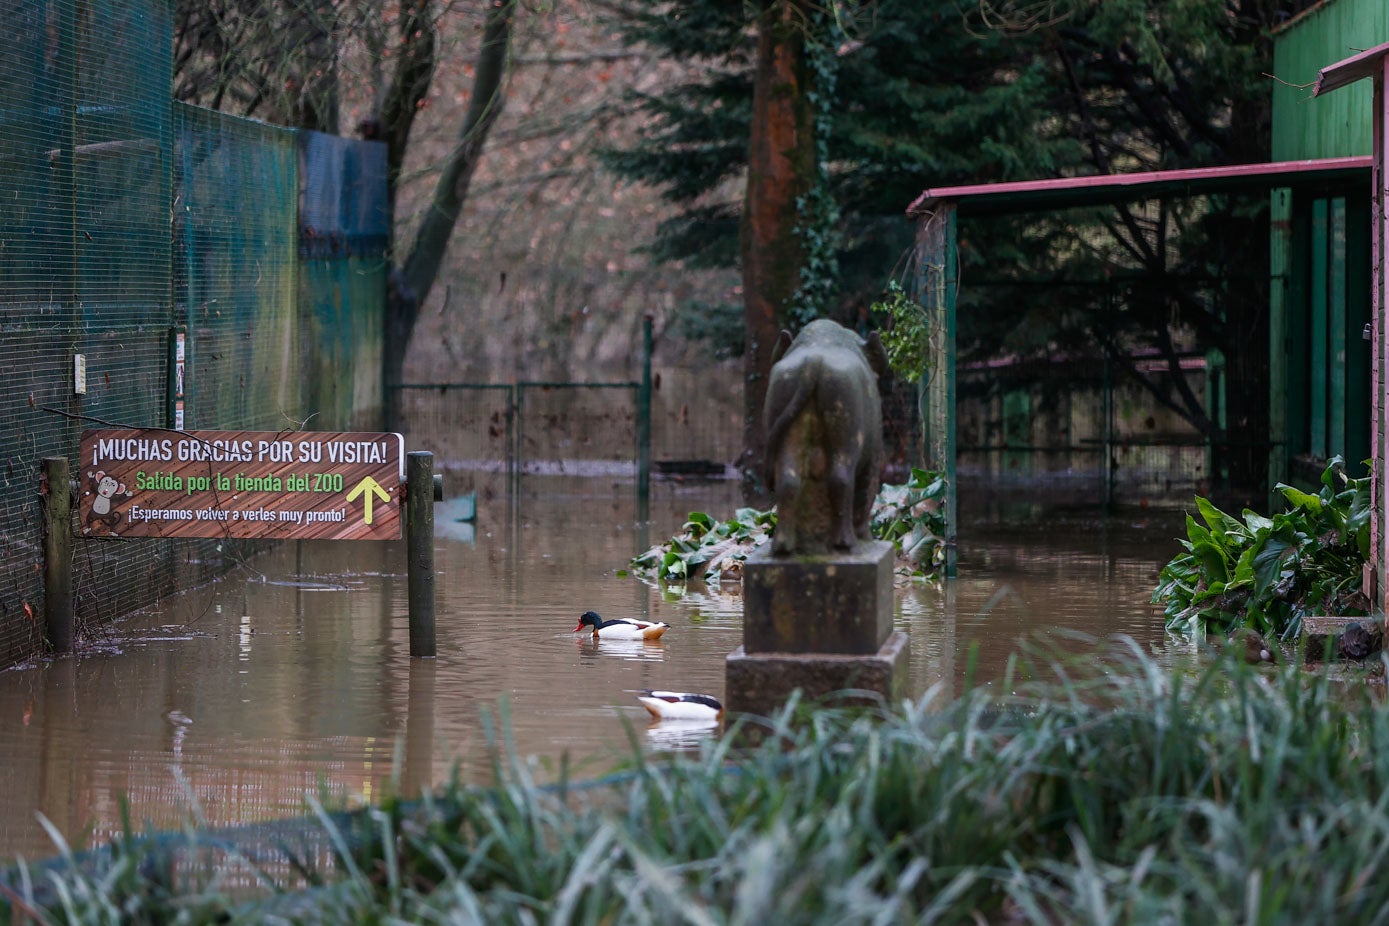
{"type": "Point", "coordinates": [679, 705]}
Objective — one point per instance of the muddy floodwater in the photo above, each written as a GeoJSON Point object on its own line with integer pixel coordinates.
{"type": "Point", "coordinates": [231, 703]}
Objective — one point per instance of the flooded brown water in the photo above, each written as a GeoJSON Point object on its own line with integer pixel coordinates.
{"type": "Point", "coordinates": [233, 702]}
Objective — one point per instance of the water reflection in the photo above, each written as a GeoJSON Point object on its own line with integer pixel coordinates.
{"type": "Point", "coordinates": [681, 735]}
{"type": "Point", "coordinates": [234, 703]}
{"type": "Point", "coordinates": [592, 646]}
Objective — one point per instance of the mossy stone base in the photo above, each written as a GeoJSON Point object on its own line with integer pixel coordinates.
{"type": "Point", "coordinates": [838, 603]}
{"type": "Point", "coordinates": [760, 683]}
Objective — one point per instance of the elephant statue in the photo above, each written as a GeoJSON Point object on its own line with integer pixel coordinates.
{"type": "Point", "coordinates": [824, 427]}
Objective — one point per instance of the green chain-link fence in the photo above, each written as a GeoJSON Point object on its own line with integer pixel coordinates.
{"type": "Point", "coordinates": [124, 220]}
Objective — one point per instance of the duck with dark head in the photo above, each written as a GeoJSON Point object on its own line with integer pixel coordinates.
{"type": "Point", "coordinates": [621, 628]}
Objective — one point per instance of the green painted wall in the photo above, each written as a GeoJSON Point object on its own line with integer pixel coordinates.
{"type": "Point", "coordinates": [340, 305]}
{"type": "Point", "coordinates": [1337, 124]}
{"type": "Point", "coordinates": [344, 231]}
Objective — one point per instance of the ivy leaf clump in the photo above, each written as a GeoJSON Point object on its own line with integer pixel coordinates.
{"type": "Point", "coordinates": [708, 548]}
{"type": "Point", "coordinates": [907, 339]}
{"type": "Point", "coordinates": [910, 516]}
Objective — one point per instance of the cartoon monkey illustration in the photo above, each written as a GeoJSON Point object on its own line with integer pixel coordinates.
{"type": "Point", "coordinates": [103, 506]}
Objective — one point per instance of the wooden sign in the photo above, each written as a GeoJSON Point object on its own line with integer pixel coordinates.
{"type": "Point", "coordinates": [295, 485]}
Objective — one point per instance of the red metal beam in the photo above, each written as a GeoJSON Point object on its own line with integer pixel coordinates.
{"type": "Point", "coordinates": [1059, 193]}
{"type": "Point", "coordinates": [1349, 70]}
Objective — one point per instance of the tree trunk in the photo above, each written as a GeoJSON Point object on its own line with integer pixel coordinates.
{"type": "Point", "coordinates": [414, 72]}
{"type": "Point", "coordinates": [781, 169]}
{"type": "Point", "coordinates": [411, 282]}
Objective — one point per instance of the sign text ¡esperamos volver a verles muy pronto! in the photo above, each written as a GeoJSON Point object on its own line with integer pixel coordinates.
{"type": "Point", "coordinates": [285, 485]}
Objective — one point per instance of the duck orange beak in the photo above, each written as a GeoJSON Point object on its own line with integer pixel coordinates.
{"type": "Point", "coordinates": [578, 628]}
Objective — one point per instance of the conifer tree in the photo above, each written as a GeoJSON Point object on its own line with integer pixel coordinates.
{"type": "Point", "coordinates": [939, 93]}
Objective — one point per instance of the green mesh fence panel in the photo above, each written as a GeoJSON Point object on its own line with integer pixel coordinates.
{"type": "Point", "coordinates": [122, 168]}
{"type": "Point", "coordinates": [93, 162]}
{"type": "Point", "coordinates": [237, 271]}
{"type": "Point", "coordinates": [36, 116]}
{"type": "Point", "coordinates": [84, 269]}
{"type": "Point", "coordinates": [343, 236]}
{"type": "Point", "coordinates": [121, 172]}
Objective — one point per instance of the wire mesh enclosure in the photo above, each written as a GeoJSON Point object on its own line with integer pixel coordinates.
{"type": "Point", "coordinates": [1073, 430]}
{"type": "Point", "coordinates": [129, 221]}
{"type": "Point", "coordinates": [1192, 331]}
{"type": "Point", "coordinates": [1072, 421]}
{"type": "Point", "coordinates": [1117, 354]}
{"type": "Point", "coordinates": [234, 224]}
{"type": "Point", "coordinates": [84, 268]}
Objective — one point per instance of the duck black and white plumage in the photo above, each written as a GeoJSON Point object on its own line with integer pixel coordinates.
{"type": "Point", "coordinates": [622, 628]}
{"type": "Point", "coordinates": [679, 705]}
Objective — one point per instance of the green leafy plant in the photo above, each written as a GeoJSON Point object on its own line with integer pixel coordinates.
{"type": "Point", "coordinates": [907, 339]}
{"type": "Point", "coordinates": [1269, 573]}
{"type": "Point", "coordinates": [708, 548]}
{"type": "Point", "coordinates": [909, 516]}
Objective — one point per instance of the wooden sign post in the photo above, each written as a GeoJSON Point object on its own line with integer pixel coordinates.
{"type": "Point", "coordinates": [298, 485]}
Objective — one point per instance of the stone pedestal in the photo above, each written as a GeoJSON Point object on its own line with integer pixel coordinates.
{"type": "Point", "coordinates": [840, 603]}
{"type": "Point", "coordinates": [820, 623]}
{"type": "Point", "coordinates": [761, 683]}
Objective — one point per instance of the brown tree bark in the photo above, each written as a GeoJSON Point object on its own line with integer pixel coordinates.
{"type": "Point", "coordinates": [781, 169]}
{"type": "Point", "coordinates": [412, 280]}
{"type": "Point", "coordinates": [414, 71]}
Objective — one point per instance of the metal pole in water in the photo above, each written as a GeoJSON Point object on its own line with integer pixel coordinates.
{"type": "Point", "coordinates": [644, 426]}
{"type": "Point", "coordinates": [57, 554]}
{"type": "Point", "coordinates": [419, 546]}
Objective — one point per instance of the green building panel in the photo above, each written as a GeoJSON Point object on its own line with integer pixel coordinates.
{"type": "Point", "coordinates": [1337, 124]}
{"type": "Point", "coordinates": [1320, 401]}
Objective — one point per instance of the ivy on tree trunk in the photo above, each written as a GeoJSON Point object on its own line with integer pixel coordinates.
{"type": "Point", "coordinates": [781, 170]}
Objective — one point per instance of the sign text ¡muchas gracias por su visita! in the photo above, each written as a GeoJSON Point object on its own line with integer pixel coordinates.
{"type": "Point", "coordinates": [296, 485]}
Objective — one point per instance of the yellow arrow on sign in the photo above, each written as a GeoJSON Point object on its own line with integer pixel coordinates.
{"type": "Point", "coordinates": [368, 488]}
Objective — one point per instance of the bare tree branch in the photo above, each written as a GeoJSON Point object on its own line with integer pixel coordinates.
{"type": "Point", "coordinates": [485, 105]}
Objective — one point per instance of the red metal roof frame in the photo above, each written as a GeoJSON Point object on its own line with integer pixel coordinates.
{"type": "Point", "coordinates": [1348, 71]}
{"type": "Point", "coordinates": [1039, 195]}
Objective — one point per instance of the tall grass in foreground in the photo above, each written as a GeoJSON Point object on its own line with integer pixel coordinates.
{"type": "Point", "coordinates": [1105, 790]}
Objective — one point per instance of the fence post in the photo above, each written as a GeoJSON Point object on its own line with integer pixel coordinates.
{"type": "Point", "coordinates": [936, 282]}
{"type": "Point", "coordinates": [513, 439]}
{"type": "Point", "coordinates": [419, 546]}
{"type": "Point", "coordinates": [518, 397]}
{"type": "Point", "coordinates": [57, 554]}
{"type": "Point", "coordinates": [644, 425]}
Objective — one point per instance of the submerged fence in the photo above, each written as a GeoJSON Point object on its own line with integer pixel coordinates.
{"type": "Point", "coordinates": [132, 229]}
{"type": "Point", "coordinates": [482, 431]}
